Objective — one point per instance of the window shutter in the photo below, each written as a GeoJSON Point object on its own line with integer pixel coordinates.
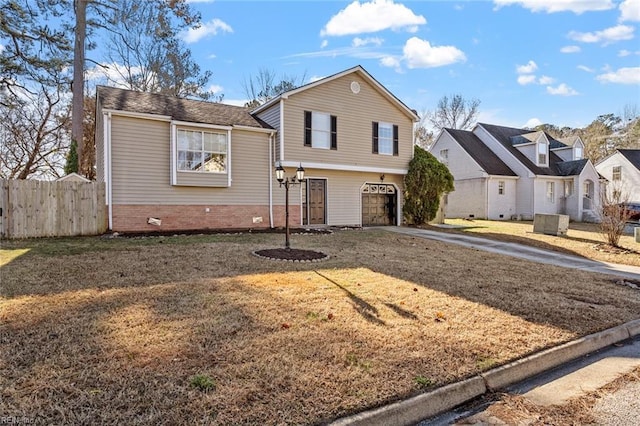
{"type": "Point", "coordinates": [307, 128]}
{"type": "Point", "coordinates": [375, 137]}
{"type": "Point", "coordinates": [395, 140]}
{"type": "Point", "coordinates": [334, 132]}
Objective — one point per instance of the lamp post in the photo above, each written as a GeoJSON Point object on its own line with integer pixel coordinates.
{"type": "Point", "coordinates": [286, 182]}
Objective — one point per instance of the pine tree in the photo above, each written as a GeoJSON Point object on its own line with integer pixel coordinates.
{"type": "Point", "coordinates": [72, 159]}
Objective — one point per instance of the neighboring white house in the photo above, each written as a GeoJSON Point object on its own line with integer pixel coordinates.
{"type": "Point", "coordinates": [622, 170]}
{"type": "Point", "coordinates": [503, 173]}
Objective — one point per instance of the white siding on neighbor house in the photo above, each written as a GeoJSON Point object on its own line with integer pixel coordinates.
{"type": "Point", "coordinates": [469, 196]}
{"type": "Point", "coordinates": [501, 204]}
{"type": "Point", "coordinates": [589, 172]}
{"type": "Point", "coordinates": [541, 203]}
{"type": "Point", "coordinates": [630, 176]}
{"type": "Point", "coordinates": [468, 200]}
{"type": "Point", "coordinates": [141, 167]}
{"type": "Point", "coordinates": [566, 154]}
{"type": "Point", "coordinates": [572, 203]}
{"type": "Point", "coordinates": [355, 114]}
{"type": "Point", "coordinates": [524, 185]}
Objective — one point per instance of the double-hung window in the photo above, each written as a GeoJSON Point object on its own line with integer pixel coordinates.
{"type": "Point", "coordinates": [542, 154]}
{"type": "Point", "coordinates": [551, 192]}
{"type": "Point", "coordinates": [385, 138]}
{"type": "Point", "coordinates": [501, 187]}
{"type": "Point", "coordinates": [320, 130]}
{"type": "Point", "coordinates": [200, 151]}
{"type": "Point", "coordinates": [444, 156]}
{"type": "Point", "coordinates": [616, 173]}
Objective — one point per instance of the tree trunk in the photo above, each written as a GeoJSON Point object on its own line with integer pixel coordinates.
{"type": "Point", "coordinates": [78, 80]}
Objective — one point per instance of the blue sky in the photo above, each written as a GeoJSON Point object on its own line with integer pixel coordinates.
{"type": "Point", "coordinates": [562, 62]}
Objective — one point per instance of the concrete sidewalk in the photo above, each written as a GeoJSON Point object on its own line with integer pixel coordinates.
{"type": "Point", "coordinates": [522, 251]}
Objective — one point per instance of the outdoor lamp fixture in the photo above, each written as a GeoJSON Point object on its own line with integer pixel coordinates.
{"type": "Point", "coordinates": [287, 182]}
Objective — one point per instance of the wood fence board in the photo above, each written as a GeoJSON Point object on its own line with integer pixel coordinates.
{"type": "Point", "coordinates": [33, 208]}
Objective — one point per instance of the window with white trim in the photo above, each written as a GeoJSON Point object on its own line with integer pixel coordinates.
{"type": "Point", "coordinates": [551, 192]}
{"type": "Point", "coordinates": [444, 156]}
{"type": "Point", "coordinates": [577, 153]}
{"type": "Point", "coordinates": [384, 138]}
{"type": "Point", "coordinates": [568, 188]}
{"type": "Point", "coordinates": [501, 187]}
{"type": "Point", "coordinates": [616, 173]}
{"type": "Point", "coordinates": [199, 151]}
{"type": "Point", "coordinates": [320, 130]}
{"type": "Point", "coordinates": [542, 153]}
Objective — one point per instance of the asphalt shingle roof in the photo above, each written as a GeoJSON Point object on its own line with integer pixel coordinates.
{"type": "Point", "coordinates": [505, 135]}
{"type": "Point", "coordinates": [570, 168]}
{"type": "Point", "coordinates": [633, 155]}
{"type": "Point", "coordinates": [178, 109]}
{"type": "Point", "coordinates": [486, 158]}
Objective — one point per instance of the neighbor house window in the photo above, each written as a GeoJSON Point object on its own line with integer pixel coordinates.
{"type": "Point", "coordinates": [542, 154]}
{"type": "Point", "coordinates": [444, 156]}
{"type": "Point", "coordinates": [616, 173]}
{"type": "Point", "coordinates": [550, 192]}
{"type": "Point", "coordinates": [384, 138]}
{"type": "Point", "coordinates": [568, 188]}
{"type": "Point", "coordinates": [202, 151]}
{"type": "Point", "coordinates": [320, 130]}
{"type": "Point", "coordinates": [501, 187]}
{"type": "Point", "coordinates": [577, 153]}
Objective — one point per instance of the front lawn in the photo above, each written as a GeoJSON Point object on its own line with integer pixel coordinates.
{"type": "Point", "coordinates": [196, 329]}
{"type": "Point", "coordinates": [582, 239]}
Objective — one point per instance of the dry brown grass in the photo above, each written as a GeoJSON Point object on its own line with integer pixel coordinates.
{"type": "Point", "coordinates": [113, 331]}
{"type": "Point", "coordinates": [582, 239]}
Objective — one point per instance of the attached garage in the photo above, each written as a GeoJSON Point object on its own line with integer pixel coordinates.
{"type": "Point", "coordinates": [379, 204]}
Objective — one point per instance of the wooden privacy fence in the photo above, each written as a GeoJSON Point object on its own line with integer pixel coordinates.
{"type": "Point", "coordinates": [32, 208]}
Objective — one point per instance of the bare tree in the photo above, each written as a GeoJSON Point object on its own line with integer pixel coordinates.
{"type": "Point", "coordinates": [423, 136]}
{"type": "Point", "coordinates": [614, 213]}
{"type": "Point", "coordinates": [454, 113]}
{"type": "Point", "coordinates": [262, 87]}
{"type": "Point", "coordinates": [34, 134]}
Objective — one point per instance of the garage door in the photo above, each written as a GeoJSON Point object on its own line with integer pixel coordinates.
{"type": "Point", "coordinates": [379, 205]}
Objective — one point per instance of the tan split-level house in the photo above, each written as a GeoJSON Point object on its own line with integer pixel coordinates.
{"type": "Point", "coordinates": [178, 164]}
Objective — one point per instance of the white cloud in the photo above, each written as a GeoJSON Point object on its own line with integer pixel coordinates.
{"type": "Point", "coordinates": [1, 48]}
{"type": "Point", "coordinates": [585, 68]}
{"type": "Point", "coordinates": [357, 42]}
{"type": "Point", "coordinates": [527, 69]}
{"type": "Point", "coordinates": [552, 6]}
{"type": "Point", "coordinates": [624, 52]}
{"type": "Point", "coordinates": [212, 56]}
{"type": "Point", "coordinates": [212, 27]}
{"type": "Point", "coordinates": [236, 102]}
{"type": "Point", "coordinates": [324, 44]}
{"type": "Point", "coordinates": [630, 10]}
{"type": "Point", "coordinates": [545, 79]}
{"type": "Point", "coordinates": [570, 49]}
{"type": "Point", "coordinates": [561, 90]}
{"type": "Point", "coordinates": [112, 74]}
{"type": "Point", "coordinates": [525, 79]}
{"type": "Point", "coordinates": [369, 17]}
{"type": "Point", "coordinates": [215, 88]}
{"type": "Point", "coordinates": [533, 123]}
{"type": "Point", "coordinates": [391, 62]}
{"type": "Point", "coordinates": [609, 35]}
{"type": "Point", "coordinates": [419, 53]}
{"type": "Point", "coordinates": [315, 78]}
{"type": "Point", "coordinates": [621, 76]}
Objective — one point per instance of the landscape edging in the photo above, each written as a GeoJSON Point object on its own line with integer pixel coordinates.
{"type": "Point", "coordinates": [415, 409]}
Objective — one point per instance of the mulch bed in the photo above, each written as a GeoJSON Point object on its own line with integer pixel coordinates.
{"type": "Point", "coordinates": [293, 255]}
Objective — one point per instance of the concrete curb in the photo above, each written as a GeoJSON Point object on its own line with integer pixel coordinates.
{"type": "Point", "coordinates": [413, 410]}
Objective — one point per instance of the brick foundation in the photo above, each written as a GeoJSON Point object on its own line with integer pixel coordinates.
{"type": "Point", "coordinates": [133, 218]}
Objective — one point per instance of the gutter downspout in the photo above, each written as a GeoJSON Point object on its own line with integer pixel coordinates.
{"type": "Point", "coordinates": [107, 167]}
{"type": "Point", "coordinates": [270, 181]}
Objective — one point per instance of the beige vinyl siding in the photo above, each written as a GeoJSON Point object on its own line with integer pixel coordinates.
{"type": "Point", "coordinates": [99, 135]}
{"type": "Point", "coordinates": [141, 167]}
{"type": "Point", "coordinates": [344, 196]}
{"type": "Point", "coordinates": [355, 114]}
{"type": "Point", "coordinates": [271, 116]}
